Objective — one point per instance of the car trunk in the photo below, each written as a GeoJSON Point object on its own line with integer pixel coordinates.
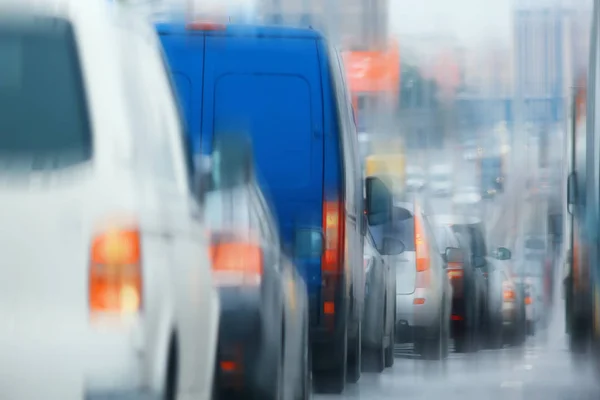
{"type": "Point", "coordinates": [406, 272]}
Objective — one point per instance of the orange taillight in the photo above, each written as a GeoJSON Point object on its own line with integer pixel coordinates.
{"type": "Point", "coordinates": [236, 263]}
{"type": "Point", "coordinates": [333, 230]}
{"type": "Point", "coordinates": [455, 273]}
{"type": "Point", "coordinates": [528, 300]}
{"type": "Point", "coordinates": [115, 277]}
{"type": "Point", "coordinates": [421, 253]}
{"type": "Point", "coordinates": [508, 293]}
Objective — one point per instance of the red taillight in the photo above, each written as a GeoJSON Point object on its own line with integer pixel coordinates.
{"type": "Point", "coordinates": [508, 292]}
{"type": "Point", "coordinates": [422, 253]}
{"type": "Point", "coordinates": [236, 263]}
{"type": "Point", "coordinates": [332, 261]}
{"type": "Point", "coordinates": [115, 276]}
{"type": "Point", "coordinates": [205, 26]}
{"type": "Point", "coordinates": [455, 273]}
{"type": "Point", "coordinates": [333, 229]}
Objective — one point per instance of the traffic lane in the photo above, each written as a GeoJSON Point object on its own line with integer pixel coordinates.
{"type": "Point", "coordinates": [534, 372]}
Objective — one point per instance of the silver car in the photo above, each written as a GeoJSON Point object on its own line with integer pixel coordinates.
{"type": "Point", "coordinates": [379, 318]}
{"type": "Point", "coordinates": [423, 290]}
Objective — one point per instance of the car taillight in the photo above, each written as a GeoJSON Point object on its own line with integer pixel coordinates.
{"type": "Point", "coordinates": [115, 276]}
{"type": "Point", "coordinates": [332, 261]}
{"type": "Point", "coordinates": [455, 273]}
{"type": "Point", "coordinates": [422, 258]}
{"type": "Point", "coordinates": [508, 293]}
{"type": "Point", "coordinates": [528, 300]}
{"type": "Point", "coordinates": [236, 263]}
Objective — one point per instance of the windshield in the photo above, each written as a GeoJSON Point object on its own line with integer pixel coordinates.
{"type": "Point", "coordinates": [403, 230]}
{"type": "Point", "coordinates": [44, 122]}
{"type": "Point", "coordinates": [475, 238]}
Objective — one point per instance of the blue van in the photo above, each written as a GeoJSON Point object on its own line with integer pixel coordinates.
{"type": "Point", "coordinates": [286, 88]}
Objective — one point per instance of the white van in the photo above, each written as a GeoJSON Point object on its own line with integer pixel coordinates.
{"type": "Point", "coordinates": [105, 284]}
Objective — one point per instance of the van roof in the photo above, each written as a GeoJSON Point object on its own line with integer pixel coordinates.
{"type": "Point", "coordinates": [179, 27]}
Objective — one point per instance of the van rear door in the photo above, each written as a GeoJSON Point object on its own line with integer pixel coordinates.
{"type": "Point", "coordinates": [270, 87]}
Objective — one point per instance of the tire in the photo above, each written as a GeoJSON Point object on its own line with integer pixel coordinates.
{"type": "Point", "coordinates": [305, 392]}
{"type": "Point", "coordinates": [172, 372]}
{"type": "Point", "coordinates": [579, 336]}
{"type": "Point", "coordinates": [374, 359]}
{"type": "Point", "coordinates": [435, 348]}
{"type": "Point", "coordinates": [495, 334]}
{"type": "Point", "coordinates": [333, 380]}
{"type": "Point", "coordinates": [355, 357]}
{"type": "Point", "coordinates": [389, 351]}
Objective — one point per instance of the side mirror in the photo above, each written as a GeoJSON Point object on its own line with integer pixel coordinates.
{"type": "Point", "coordinates": [503, 254]}
{"type": "Point", "coordinates": [232, 161]}
{"type": "Point", "coordinates": [378, 202]}
{"type": "Point", "coordinates": [392, 246]}
{"type": "Point", "coordinates": [454, 255]}
{"type": "Point", "coordinates": [308, 243]}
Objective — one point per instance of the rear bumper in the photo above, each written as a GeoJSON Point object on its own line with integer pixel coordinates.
{"type": "Point", "coordinates": [248, 340]}
{"type": "Point", "coordinates": [412, 318]}
{"type": "Point", "coordinates": [509, 313]}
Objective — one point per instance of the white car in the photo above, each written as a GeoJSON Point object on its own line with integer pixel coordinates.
{"type": "Point", "coordinates": [440, 180]}
{"type": "Point", "coordinates": [106, 287]}
{"type": "Point", "coordinates": [415, 178]}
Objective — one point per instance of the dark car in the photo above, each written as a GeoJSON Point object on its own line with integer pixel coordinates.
{"type": "Point", "coordinates": [469, 289]}
{"type": "Point", "coordinates": [472, 233]}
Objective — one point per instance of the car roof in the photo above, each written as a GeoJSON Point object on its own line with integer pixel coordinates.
{"type": "Point", "coordinates": [180, 27]}
{"type": "Point", "coordinates": [456, 219]}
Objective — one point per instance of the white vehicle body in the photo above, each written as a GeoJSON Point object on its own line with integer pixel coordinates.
{"type": "Point", "coordinates": [65, 335]}
{"type": "Point", "coordinates": [423, 298]}
{"type": "Point", "coordinates": [415, 178]}
{"type": "Point", "coordinates": [440, 180]}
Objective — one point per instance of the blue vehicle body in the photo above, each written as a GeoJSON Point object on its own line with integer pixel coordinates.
{"type": "Point", "coordinates": [285, 87]}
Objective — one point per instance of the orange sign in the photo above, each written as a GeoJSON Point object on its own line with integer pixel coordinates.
{"type": "Point", "coordinates": [373, 71]}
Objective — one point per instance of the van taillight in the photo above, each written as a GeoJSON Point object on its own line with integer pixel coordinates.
{"type": "Point", "coordinates": [332, 261]}
{"type": "Point", "coordinates": [204, 26]}
{"type": "Point", "coordinates": [333, 229]}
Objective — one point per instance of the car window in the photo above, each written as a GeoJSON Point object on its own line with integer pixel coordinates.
{"type": "Point", "coordinates": [45, 122]}
{"type": "Point", "coordinates": [228, 209]}
{"type": "Point", "coordinates": [403, 230]}
{"type": "Point", "coordinates": [476, 240]}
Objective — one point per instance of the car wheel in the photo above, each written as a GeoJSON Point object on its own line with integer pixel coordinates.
{"type": "Point", "coordinates": [355, 356]}
{"type": "Point", "coordinates": [495, 333]}
{"type": "Point", "coordinates": [389, 351]}
{"type": "Point", "coordinates": [305, 392]}
{"type": "Point", "coordinates": [433, 348]}
{"type": "Point", "coordinates": [333, 380]}
{"type": "Point", "coordinates": [374, 358]}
